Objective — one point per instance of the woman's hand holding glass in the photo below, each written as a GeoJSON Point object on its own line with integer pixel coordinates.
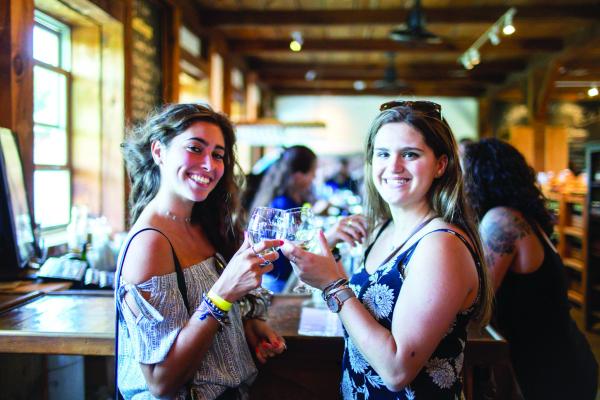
{"type": "Point", "coordinates": [351, 229]}
{"type": "Point", "coordinates": [246, 268]}
{"type": "Point", "coordinates": [317, 270]}
{"type": "Point", "coordinates": [266, 223]}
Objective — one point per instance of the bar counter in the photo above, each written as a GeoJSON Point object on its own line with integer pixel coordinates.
{"type": "Point", "coordinates": [82, 323]}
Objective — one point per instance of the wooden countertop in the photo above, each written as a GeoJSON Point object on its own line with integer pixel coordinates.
{"type": "Point", "coordinates": [82, 322]}
{"type": "Point", "coordinates": [70, 322]}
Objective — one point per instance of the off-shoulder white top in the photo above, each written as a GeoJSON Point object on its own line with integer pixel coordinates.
{"type": "Point", "coordinates": [148, 337]}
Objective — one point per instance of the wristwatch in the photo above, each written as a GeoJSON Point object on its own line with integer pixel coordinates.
{"type": "Point", "coordinates": [337, 298]}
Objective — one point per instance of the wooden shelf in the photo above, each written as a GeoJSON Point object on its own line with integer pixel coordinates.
{"type": "Point", "coordinates": [575, 296]}
{"type": "Point", "coordinates": [553, 196]}
{"type": "Point", "coordinates": [574, 231]}
{"type": "Point", "coordinates": [591, 274]}
{"type": "Point", "coordinates": [571, 242]}
{"type": "Point", "coordinates": [575, 198]}
{"type": "Point", "coordinates": [574, 263]}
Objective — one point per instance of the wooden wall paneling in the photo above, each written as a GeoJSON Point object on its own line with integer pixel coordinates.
{"type": "Point", "coordinates": [522, 138]}
{"type": "Point", "coordinates": [216, 80]}
{"type": "Point", "coordinates": [115, 8]}
{"type": "Point", "coordinates": [484, 118]}
{"type": "Point", "coordinates": [114, 199]}
{"type": "Point", "coordinates": [539, 138]}
{"type": "Point", "coordinates": [220, 75]}
{"type": "Point", "coordinates": [252, 96]}
{"type": "Point", "coordinates": [127, 73]}
{"type": "Point", "coordinates": [86, 120]}
{"type": "Point", "coordinates": [170, 52]}
{"type": "Point", "coordinates": [556, 148]}
{"type": "Point", "coordinates": [16, 79]}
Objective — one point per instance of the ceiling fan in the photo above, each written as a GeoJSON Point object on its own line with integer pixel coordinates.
{"type": "Point", "coordinates": [414, 29]}
{"type": "Point", "coordinates": [390, 79]}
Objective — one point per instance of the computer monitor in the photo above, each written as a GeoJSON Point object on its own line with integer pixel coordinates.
{"type": "Point", "coordinates": [17, 239]}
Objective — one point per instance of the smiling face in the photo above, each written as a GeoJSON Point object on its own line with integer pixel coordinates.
{"type": "Point", "coordinates": [193, 162]}
{"type": "Point", "coordinates": [403, 166]}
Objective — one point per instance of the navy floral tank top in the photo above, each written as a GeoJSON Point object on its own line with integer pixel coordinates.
{"type": "Point", "coordinates": [441, 376]}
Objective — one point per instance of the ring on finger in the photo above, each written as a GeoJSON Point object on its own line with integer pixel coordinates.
{"type": "Point", "coordinates": [349, 223]}
{"type": "Point", "coordinates": [263, 260]}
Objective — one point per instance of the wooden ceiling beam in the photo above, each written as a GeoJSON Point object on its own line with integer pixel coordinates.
{"type": "Point", "coordinates": [584, 41]}
{"type": "Point", "coordinates": [352, 45]}
{"type": "Point", "coordinates": [333, 83]}
{"type": "Point", "coordinates": [377, 74]}
{"type": "Point", "coordinates": [429, 91]}
{"type": "Point", "coordinates": [454, 15]}
{"type": "Point", "coordinates": [453, 69]}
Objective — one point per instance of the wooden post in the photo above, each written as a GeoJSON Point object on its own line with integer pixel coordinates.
{"type": "Point", "coordinates": [16, 79]}
{"type": "Point", "coordinates": [171, 53]}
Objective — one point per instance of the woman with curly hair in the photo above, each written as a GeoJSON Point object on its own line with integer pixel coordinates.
{"type": "Point", "coordinates": [405, 311]}
{"type": "Point", "coordinates": [550, 356]}
{"type": "Point", "coordinates": [187, 308]}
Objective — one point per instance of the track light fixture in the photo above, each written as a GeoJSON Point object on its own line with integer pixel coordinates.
{"type": "Point", "coordinates": [297, 41]}
{"type": "Point", "coordinates": [493, 35]}
{"type": "Point", "coordinates": [593, 91]}
{"type": "Point", "coordinates": [471, 57]}
{"type": "Point", "coordinates": [508, 28]}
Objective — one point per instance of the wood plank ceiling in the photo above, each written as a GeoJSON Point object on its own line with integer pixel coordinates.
{"type": "Point", "coordinates": [348, 40]}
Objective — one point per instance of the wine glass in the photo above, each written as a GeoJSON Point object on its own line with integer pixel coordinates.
{"type": "Point", "coordinates": [300, 229]}
{"type": "Point", "coordinates": [266, 223]}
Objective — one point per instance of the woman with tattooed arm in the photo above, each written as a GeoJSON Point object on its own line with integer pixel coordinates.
{"type": "Point", "coordinates": [551, 358]}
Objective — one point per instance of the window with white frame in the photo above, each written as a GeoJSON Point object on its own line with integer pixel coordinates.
{"type": "Point", "coordinates": [51, 139]}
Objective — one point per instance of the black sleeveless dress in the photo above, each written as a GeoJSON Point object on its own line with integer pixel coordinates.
{"type": "Point", "coordinates": [441, 376]}
{"type": "Point", "coordinates": [551, 357]}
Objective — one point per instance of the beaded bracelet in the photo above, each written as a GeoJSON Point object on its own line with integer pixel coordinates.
{"type": "Point", "coordinates": [207, 307]}
{"type": "Point", "coordinates": [219, 301]}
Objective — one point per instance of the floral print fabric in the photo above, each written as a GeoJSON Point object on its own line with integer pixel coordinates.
{"type": "Point", "coordinates": [440, 378]}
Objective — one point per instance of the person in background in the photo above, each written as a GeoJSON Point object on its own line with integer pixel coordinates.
{"type": "Point", "coordinates": [462, 145]}
{"type": "Point", "coordinates": [550, 356]}
{"type": "Point", "coordinates": [405, 311]}
{"type": "Point", "coordinates": [342, 180]}
{"type": "Point", "coordinates": [287, 184]}
{"type": "Point", "coordinates": [186, 306]}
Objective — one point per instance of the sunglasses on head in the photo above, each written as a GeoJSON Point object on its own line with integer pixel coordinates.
{"type": "Point", "coordinates": [426, 107]}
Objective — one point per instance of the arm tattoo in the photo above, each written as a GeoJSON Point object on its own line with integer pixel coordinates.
{"type": "Point", "coordinates": [500, 233]}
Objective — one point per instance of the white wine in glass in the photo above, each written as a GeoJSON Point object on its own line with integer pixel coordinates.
{"type": "Point", "coordinates": [300, 229]}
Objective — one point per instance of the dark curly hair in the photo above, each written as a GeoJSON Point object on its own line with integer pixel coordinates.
{"type": "Point", "coordinates": [218, 214]}
{"type": "Point", "coordinates": [497, 175]}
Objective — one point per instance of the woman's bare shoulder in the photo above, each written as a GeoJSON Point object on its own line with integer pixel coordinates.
{"type": "Point", "coordinates": [504, 223]}
{"type": "Point", "coordinates": [149, 254]}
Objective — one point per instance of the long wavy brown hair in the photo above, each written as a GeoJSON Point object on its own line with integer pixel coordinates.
{"type": "Point", "coordinates": [219, 213]}
{"type": "Point", "coordinates": [446, 196]}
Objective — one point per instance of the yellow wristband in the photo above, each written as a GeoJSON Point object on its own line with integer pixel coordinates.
{"type": "Point", "coordinates": [219, 301]}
